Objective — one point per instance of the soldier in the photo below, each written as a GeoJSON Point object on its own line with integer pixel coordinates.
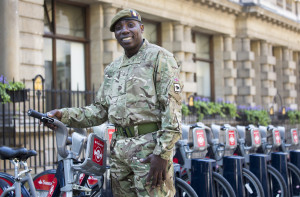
{"type": "Point", "coordinates": [141, 96]}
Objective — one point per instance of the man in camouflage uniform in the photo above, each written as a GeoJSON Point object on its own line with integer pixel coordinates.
{"type": "Point", "coordinates": [141, 95]}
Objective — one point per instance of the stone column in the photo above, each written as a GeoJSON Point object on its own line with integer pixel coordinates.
{"type": "Point", "coordinates": [183, 49]}
{"type": "Point", "coordinates": [9, 39]}
{"type": "Point", "coordinates": [230, 72]}
{"type": "Point", "coordinates": [97, 68]}
{"type": "Point", "coordinates": [245, 72]}
{"type": "Point", "coordinates": [297, 60]}
{"type": "Point", "coordinates": [268, 76]}
{"type": "Point", "coordinates": [289, 78]}
{"type": "Point", "coordinates": [218, 85]}
{"type": "Point", "coordinates": [110, 45]}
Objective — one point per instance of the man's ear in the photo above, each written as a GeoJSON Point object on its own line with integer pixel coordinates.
{"type": "Point", "coordinates": [142, 28]}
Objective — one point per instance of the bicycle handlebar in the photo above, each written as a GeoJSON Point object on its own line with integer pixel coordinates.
{"type": "Point", "coordinates": [61, 131]}
{"type": "Point", "coordinates": [43, 117]}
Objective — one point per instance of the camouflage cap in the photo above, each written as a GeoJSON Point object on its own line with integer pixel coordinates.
{"type": "Point", "coordinates": [128, 14]}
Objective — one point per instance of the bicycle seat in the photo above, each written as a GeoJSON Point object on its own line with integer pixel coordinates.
{"type": "Point", "coordinates": [12, 153]}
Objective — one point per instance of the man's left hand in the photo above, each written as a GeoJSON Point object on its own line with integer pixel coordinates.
{"type": "Point", "coordinates": [157, 170]}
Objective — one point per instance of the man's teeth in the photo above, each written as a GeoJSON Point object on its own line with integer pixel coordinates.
{"type": "Point", "coordinates": [126, 38]}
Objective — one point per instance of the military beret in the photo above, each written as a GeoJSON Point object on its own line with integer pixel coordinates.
{"type": "Point", "coordinates": [127, 14]}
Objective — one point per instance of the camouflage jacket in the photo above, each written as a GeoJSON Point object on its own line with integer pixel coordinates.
{"type": "Point", "coordinates": [142, 89]}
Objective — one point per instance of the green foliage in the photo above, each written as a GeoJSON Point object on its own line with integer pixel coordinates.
{"type": "Point", "coordinates": [208, 108]}
{"type": "Point", "coordinates": [230, 109]}
{"type": "Point", "coordinates": [258, 117]}
{"type": "Point", "coordinates": [294, 116]}
{"type": "Point", "coordinates": [9, 86]}
{"type": "Point", "coordinates": [185, 110]}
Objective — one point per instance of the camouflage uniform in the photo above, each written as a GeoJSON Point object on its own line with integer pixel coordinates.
{"type": "Point", "coordinates": [142, 89]}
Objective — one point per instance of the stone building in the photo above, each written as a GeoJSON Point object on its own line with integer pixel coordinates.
{"type": "Point", "coordinates": [243, 51]}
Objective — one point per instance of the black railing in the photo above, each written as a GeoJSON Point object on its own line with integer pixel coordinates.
{"type": "Point", "coordinates": [19, 130]}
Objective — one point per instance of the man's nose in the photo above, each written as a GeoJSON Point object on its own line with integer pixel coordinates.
{"type": "Point", "coordinates": [124, 30]}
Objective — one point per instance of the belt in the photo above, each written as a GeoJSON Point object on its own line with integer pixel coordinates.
{"type": "Point", "coordinates": [142, 129]}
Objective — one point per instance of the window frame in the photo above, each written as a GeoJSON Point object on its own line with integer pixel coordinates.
{"type": "Point", "coordinates": [209, 61]}
{"type": "Point", "coordinates": [85, 40]}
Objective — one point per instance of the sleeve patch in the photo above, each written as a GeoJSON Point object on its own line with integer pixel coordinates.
{"type": "Point", "coordinates": [177, 87]}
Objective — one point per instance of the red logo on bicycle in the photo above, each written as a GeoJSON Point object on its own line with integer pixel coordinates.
{"type": "Point", "coordinates": [98, 151]}
{"type": "Point", "coordinates": [295, 137]}
{"type": "Point", "coordinates": [277, 137]}
{"type": "Point", "coordinates": [231, 137]}
{"type": "Point", "coordinates": [200, 138]}
{"type": "Point", "coordinates": [256, 137]}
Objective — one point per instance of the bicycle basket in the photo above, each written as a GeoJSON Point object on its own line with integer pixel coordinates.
{"type": "Point", "coordinates": [95, 157]}
{"type": "Point", "coordinates": [255, 137]}
{"type": "Point", "coordinates": [295, 137]}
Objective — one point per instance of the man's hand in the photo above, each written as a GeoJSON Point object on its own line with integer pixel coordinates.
{"type": "Point", "coordinates": [53, 114]}
{"type": "Point", "coordinates": [157, 170]}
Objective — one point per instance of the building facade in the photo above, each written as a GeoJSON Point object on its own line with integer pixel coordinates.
{"type": "Point", "coordinates": [242, 51]}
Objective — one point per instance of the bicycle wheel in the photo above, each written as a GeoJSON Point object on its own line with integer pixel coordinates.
{"type": "Point", "coordinates": [183, 189]}
{"type": "Point", "coordinates": [3, 186]}
{"type": "Point", "coordinates": [253, 186]}
{"type": "Point", "coordinates": [277, 183]}
{"type": "Point", "coordinates": [222, 186]}
{"type": "Point", "coordinates": [11, 180]}
{"type": "Point", "coordinates": [294, 177]}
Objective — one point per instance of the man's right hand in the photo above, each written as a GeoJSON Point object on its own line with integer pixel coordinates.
{"type": "Point", "coordinates": [53, 114]}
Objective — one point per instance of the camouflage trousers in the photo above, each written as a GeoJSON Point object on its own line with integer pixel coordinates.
{"type": "Point", "coordinates": [128, 174]}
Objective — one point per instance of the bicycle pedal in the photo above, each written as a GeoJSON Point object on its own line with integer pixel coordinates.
{"type": "Point", "coordinates": [86, 190]}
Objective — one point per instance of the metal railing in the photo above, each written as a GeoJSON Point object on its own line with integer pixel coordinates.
{"type": "Point", "coordinates": [19, 130]}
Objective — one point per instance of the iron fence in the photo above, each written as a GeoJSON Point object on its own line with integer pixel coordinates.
{"type": "Point", "coordinates": [19, 130]}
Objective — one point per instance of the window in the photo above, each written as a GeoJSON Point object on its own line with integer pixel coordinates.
{"type": "Point", "coordinates": [65, 43]}
{"type": "Point", "coordinates": [152, 31]}
{"type": "Point", "coordinates": [203, 59]}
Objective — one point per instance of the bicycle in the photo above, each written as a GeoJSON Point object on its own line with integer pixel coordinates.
{"type": "Point", "coordinates": [293, 170]}
{"type": "Point", "coordinates": [254, 140]}
{"type": "Point", "coordinates": [229, 139]}
{"type": "Point", "coordinates": [68, 182]}
{"type": "Point", "coordinates": [199, 144]}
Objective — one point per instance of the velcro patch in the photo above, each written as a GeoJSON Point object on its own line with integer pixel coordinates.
{"type": "Point", "coordinates": [177, 87]}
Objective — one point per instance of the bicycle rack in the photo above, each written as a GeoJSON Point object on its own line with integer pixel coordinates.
{"type": "Point", "coordinates": [295, 157]}
{"type": "Point", "coordinates": [233, 173]}
{"type": "Point", "coordinates": [201, 180]}
{"type": "Point", "coordinates": [279, 162]}
{"type": "Point", "coordinates": [258, 166]}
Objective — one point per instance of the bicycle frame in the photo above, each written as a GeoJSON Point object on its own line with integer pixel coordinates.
{"type": "Point", "coordinates": [16, 187]}
{"type": "Point", "coordinates": [94, 162]}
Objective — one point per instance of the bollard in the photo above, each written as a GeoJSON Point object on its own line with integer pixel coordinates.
{"type": "Point", "coordinates": [295, 157]}
{"type": "Point", "coordinates": [279, 162]}
{"type": "Point", "coordinates": [258, 166]}
{"type": "Point", "coordinates": [233, 172]}
{"type": "Point", "coordinates": [202, 181]}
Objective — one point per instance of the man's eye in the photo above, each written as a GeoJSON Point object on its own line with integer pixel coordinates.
{"type": "Point", "coordinates": [117, 27]}
{"type": "Point", "coordinates": [130, 24]}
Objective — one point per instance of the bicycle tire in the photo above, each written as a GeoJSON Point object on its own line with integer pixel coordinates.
{"type": "Point", "coordinates": [294, 177]}
{"type": "Point", "coordinates": [11, 180]}
{"type": "Point", "coordinates": [252, 184]}
{"type": "Point", "coordinates": [3, 186]}
{"type": "Point", "coordinates": [283, 190]}
{"type": "Point", "coordinates": [225, 186]}
{"type": "Point", "coordinates": [183, 189]}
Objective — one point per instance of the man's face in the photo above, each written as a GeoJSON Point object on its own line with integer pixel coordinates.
{"type": "Point", "coordinates": [129, 35]}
